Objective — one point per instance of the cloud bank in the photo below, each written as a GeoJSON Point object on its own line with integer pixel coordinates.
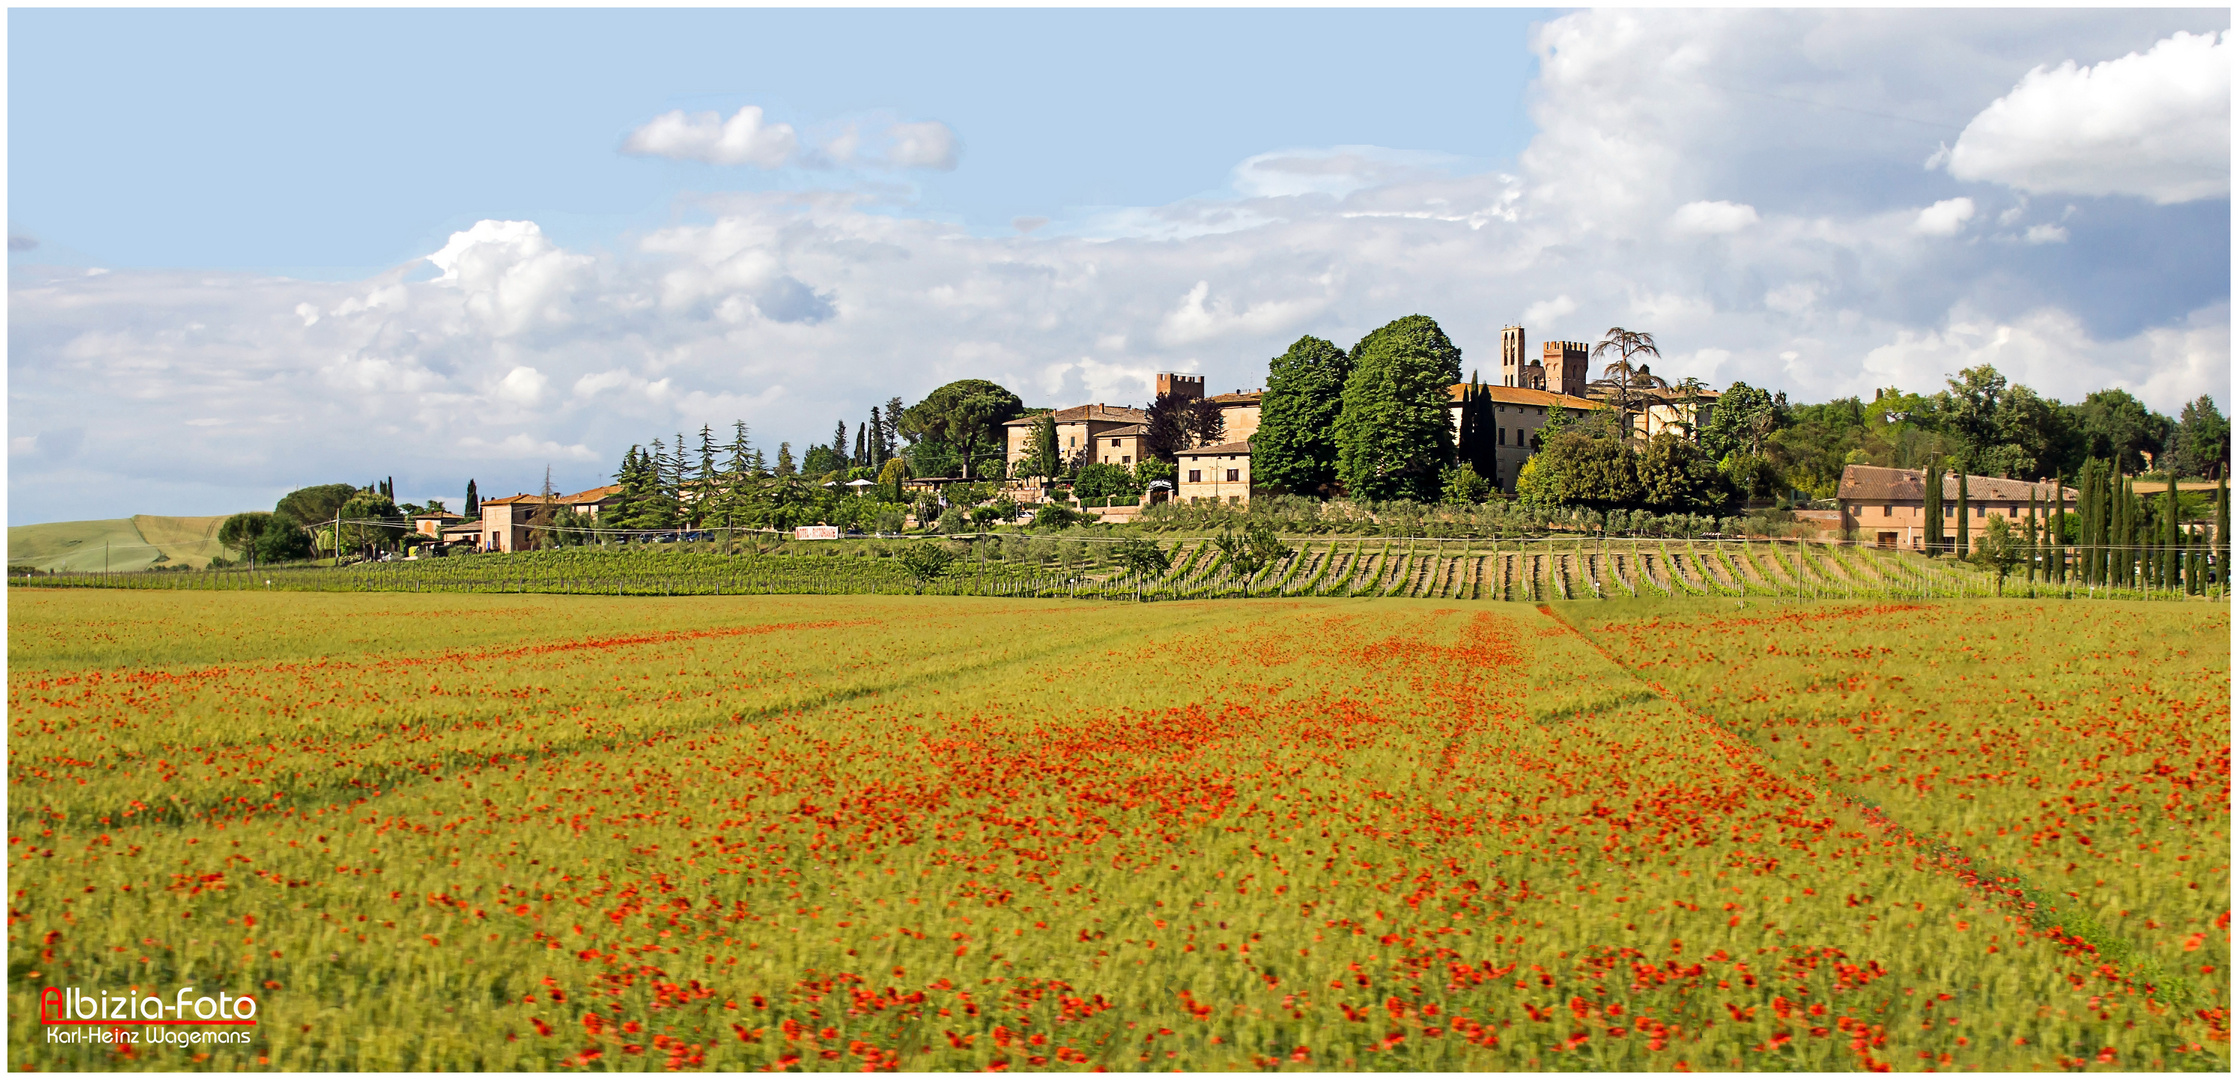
{"type": "Point", "coordinates": [1756, 239]}
{"type": "Point", "coordinates": [2154, 124]}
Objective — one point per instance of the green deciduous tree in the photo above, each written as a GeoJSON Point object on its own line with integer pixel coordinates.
{"type": "Point", "coordinates": [925, 562]}
{"type": "Point", "coordinates": [1142, 558]}
{"type": "Point", "coordinates": [1254, 549]}
{"type": "Point", "coordinates": [890, 479]}
{"type": "Point", "coordinates": [1463, 486]}
{"type": "Point", "coordinates": [1742, 421]}
{"type": "Point", "coordinates": [1581, 467]}
{"type": "Point", "coordinates": [1676, 477]}
{"type": "Point", "coordinates": [1999, 550]}
{"type": "Point", "coordinates": [359, 517]}
{"type": "Point", "coordinates": [1393, 435]}
{"type": "Point", "coordinates": [1103, 480]}
{"type": "Point", "coordinates": [1295, 448]}
{"type": "Point", "coordinates": [2119, 427]}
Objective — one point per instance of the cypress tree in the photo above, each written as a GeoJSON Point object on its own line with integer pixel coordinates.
{"type": "Point", "coordinates": [1931, 494]}
{"type": "Point", "coordinates": [2101, 525]}
{"type": "Point", "coordinates": [1047, 458]}
{"type": "Point", "coordinates": [2056, 570]}
{"type": "Point", "coordinates": [2132, 534]}
{"type": "Point", "coordinates": [473, 500]}
{"type": "Point", "coordinates": [2221, 548]}
{"type": "Point", "coordinates": [2032, 546]}
{"type": "Point", "coordinates": [2118, 542]}
{"type": "Point", "coordinates": [1959, 550]}
{"type": "Point", "coordinates": [2171, 536]}
{"type": "Point", "coordinates": [2087, 501]}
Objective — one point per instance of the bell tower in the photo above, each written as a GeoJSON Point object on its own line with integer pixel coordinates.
{"type": "Point", "coordinates": [1511, 356]}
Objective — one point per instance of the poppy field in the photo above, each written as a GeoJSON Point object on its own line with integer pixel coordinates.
{"type": "Point", "coordinates": [486, 831]}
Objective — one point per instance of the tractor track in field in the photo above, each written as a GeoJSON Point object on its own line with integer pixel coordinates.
{"type": "Point", "coordinates": [2005, 888]}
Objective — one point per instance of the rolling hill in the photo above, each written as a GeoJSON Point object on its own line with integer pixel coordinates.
{"type": "Point", "coordinates": [133, 543]}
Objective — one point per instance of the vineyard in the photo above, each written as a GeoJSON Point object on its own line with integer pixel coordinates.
{"type": "Point", "coordinates": [1024, 566]}
{"type": "Point", "coordinates": [509, 832]}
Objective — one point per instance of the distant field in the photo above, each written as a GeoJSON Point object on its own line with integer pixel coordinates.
{"type": "Point", "coordinates": [134, 543]}
{"type": "Point", "coordinates": [451, 832]}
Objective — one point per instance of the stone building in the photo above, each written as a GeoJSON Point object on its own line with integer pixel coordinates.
{"type": "Point", "coordinates": [1560, 367]}
{"type": "Point", "coordinates": [1888, 507]}
{"type": "Point", "coordinates": [1517, 413]}
{"type": "Point", "coordinates": [1086, 433]}
{"type": "Point", "coordinates": [1077, 431]}
{"type": "Point", "coordinates": [505, 524]}
{"type": "Point", "coordinates": [1220, 473]}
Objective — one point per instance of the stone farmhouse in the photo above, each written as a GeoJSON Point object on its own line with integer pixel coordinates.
{"type": "Point", "coordinates": [1220, 473]}
{"type": "Point", "coordinates": [1115, 435]}
{"type": "Point", "coordinates": [1889, 506]}
{"type": "Point", "coordinates": [505, 524]}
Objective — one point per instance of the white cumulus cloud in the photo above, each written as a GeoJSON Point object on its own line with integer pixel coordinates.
{"type": "Point", "coordinates": [1944, 218]}
{"type": "Point", "coordinates": [2155, 125]}
{"type": "Point", "coordinates": [1709, 218]}
{"type": "Point", "coordinates": [1202, 316]}
{"type": "Point", "coordinates": [744, 139]}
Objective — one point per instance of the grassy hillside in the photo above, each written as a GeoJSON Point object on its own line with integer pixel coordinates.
{"type": "Point", "coordinates": [133, 543]}
{"type": "Point", "coordinates": [189, 540]}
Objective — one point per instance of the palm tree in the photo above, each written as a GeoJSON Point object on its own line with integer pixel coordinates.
{"type": "Point", "coordinates": [1689, 390]}
{"type": "Point", "coordinates": [1625, 376]}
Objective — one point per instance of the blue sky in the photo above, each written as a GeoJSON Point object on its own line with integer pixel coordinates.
{"type": "Point", "coordinates": [190, 138]}
{"type": "Point", "coordinates": [252, 250]}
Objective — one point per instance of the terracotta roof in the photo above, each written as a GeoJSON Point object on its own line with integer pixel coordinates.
{"type": "Point", "coordinates": [593, 495]}
{"type": "Point", "coordinates": [1240, 397]}
{"type": "Point", "coordinates": [1225, 449]}
{"type": "Point", "coordinates": [580, 497]}
{"type": "Point", "coordinates": [1673, 396]}
{"type": "Point", "coordinates": [436, 515]}
{"type": "Point", "coordinates": [1114, 414]}
{"type": "Point", "coordinates": [1871, 483]}
{"type": "Point", "coordinates": [1517, 395]}
{"type": "Point", "coordinates": [1124, 432]}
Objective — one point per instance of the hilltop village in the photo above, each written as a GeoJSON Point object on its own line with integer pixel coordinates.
{"type": "Point", "coordinates": [1389, 424]}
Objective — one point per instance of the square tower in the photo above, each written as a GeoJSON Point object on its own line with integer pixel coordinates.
{"type": "Point", "coordinates": [1565, 367]}
{"type": "Point", "coordinates": [1185, 386]}
{"type": "Point", "coordinates": [1511, 356]}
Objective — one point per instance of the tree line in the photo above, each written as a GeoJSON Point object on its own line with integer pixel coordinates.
{"type": "Point", "coordinates": [1371, 424]}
